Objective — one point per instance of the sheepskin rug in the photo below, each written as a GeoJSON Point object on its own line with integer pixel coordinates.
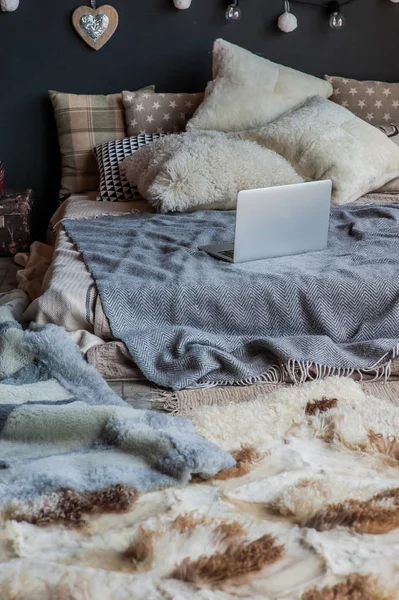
{"type": "Point", "coordinates": [309, 512]}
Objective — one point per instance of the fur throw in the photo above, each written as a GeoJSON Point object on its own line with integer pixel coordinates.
{"type": "Point", "coordinates": [62, 427]}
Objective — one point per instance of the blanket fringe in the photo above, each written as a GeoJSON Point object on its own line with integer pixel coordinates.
{"type": "Point", "coordinates": [170, 403]}
{"type": "Point", "coordinates": [294, 372]}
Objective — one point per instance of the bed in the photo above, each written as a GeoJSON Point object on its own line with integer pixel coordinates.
{"type": "Point", "coordinates": [294, 135]}
{"type": "Point", "coordinates": [63, 291]}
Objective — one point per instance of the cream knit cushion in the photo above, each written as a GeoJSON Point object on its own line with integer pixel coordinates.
{"type": "Point", "coordinates": [248, 91]}
{"type": "Point", "coordinates": [324, 140]}
{"type": "Point", "coordinates": [203, 170]}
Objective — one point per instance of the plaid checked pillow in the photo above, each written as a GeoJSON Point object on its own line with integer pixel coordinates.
{"type": "Point", "coordinates": [114, 187]}
{"type": "Point", "coordinates": [83, 122]}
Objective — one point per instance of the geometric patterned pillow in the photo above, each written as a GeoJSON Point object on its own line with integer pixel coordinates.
{"type": "Point", "coordinates": [113, 185]}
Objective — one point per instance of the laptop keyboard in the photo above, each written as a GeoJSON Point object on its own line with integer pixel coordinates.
{"type": "Point", "coordinates": [228, 253]}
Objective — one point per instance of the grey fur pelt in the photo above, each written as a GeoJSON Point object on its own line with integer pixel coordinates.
{"type": "Point", "coordinates": [61, 426]}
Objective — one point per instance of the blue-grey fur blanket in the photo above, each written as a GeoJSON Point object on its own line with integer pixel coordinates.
{"type": "Point", "coordinates": [189, 319]}
{"type": "Point", "coordinates": [62, 427]}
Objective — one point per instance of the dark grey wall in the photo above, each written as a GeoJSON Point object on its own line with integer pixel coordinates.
{"type": "Point", "coordinates": [156, 43]}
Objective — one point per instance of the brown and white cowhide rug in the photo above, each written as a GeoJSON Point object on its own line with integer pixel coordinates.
{"type": "Point", "coordinates": [310, 512]}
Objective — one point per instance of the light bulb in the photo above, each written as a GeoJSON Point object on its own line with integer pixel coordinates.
{"type": "Point", "coordinates": [233, 12]}
{"type": "Point", "coordinates": [337, 20]}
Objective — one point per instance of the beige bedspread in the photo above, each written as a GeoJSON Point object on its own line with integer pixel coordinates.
{"type": "Point", "coordinates": [63, 292]}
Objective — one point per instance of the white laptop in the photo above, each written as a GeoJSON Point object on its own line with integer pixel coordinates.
{"type": "Point", "coordinates": [278, 221]}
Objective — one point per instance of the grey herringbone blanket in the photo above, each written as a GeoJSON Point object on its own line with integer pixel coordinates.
{"type": "Point", "coordinates": [189, 319]}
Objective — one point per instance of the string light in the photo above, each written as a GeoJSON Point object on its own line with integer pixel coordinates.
{"type": "Point", "coordinates": [233, 12]}
{"type": "Point", "coordinates": [287, 21]}
{"type": "Point", "coordinates": [182, 4]}
{"type": "Point", "coordinates": [337, 20]}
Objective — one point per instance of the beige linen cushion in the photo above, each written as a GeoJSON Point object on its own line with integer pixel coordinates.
{"type": "Point", "coordinates": [326, 141]}
{"type": "Point", "coordinates": [83, 122]}
{"type": "Point", "coordinates": [248, 91]}
{"type": "Point", "coordinates": [203, 170]}
{"type": "Point", "coordinates": [147, 113]}
{"type": "Point", "coordinates": [374, 101]}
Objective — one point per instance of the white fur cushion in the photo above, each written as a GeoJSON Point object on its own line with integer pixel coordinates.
{"type": "Point", "coordinates": [248, 91]}
{"type": "Point", "coordinates": [326, 141]}
{"type": "Point", "coordinates": [207, 169]}
{"type": "Point", "coordinates": [392, 131]}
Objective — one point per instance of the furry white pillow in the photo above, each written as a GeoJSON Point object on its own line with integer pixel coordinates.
{"type": "Point", "coordinates": [324, 140]}
{"type": "Point", "coordinates": [248, 91]}
{"type": "Point", "coordinates": [204, 170]}
{"type": "Point", "coordinates": [392, 131]}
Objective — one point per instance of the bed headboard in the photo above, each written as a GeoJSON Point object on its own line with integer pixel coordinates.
{"type": "Point", "coordinates": [156, 43]}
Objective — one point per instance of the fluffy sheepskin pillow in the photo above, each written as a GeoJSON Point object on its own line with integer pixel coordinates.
{"type": "Point", "coordinates": [199, 170]}
{"type": "Point", "coordinates": [248, 91]}
{"type": "Point", "coordinates": [326, 141]}
{"type": "Point", "coordinates": [392, 131]}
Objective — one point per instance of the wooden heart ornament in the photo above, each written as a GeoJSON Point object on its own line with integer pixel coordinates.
{"type": "Point", "coordinates": [95, 26]}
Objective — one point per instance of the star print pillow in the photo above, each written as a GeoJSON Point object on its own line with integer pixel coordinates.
{"type": "Point", "coordinates": [158, 113]}
{"type": "Point", "coordinates": [373, 101]}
